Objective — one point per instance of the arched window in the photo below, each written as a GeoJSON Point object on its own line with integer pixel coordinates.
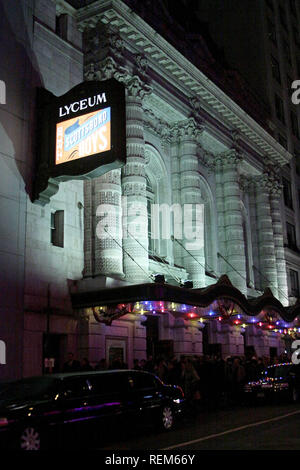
{"type": "Point", "coordinates": [150, 200]}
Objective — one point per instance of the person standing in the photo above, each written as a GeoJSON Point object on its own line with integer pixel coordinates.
{"type": "Point", "coordinates": [72, 365]}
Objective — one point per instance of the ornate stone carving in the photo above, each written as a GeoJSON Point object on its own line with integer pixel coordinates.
{"type": "Point", "coordinates": [189, 129]}
{"type": "Point", "coordinates": [136, 88]}
{"type": "Point", "coordinates": [105, 70]}
{"type": "Point", "coordinates": [141, 65]}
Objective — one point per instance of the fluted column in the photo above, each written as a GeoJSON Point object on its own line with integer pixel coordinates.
{"type": "Point", "coordinates": [176, 194]}
{"type": "Point", "coordinates": [103, 225]}
{"type": "Point", "coordinates": [220, 213]}
{"type": "Point", "coordinates": [266, 246]}
{"type": "Point", "coordinates": [103, 211]}
{"type": "Point", "coordinates": [278, 244]}
{"type": "Point", "coordinates": [108, 241]}
{"type": "Point", "coordinates": [192, 206]}
{"type": "Point", "coordinates": [135, 220]}
{"type": "Point", "coordinates": [233, 221]}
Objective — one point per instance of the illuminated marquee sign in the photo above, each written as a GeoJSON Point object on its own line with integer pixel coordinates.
{"type": "Point", "coordinates": [84, 136]}
{"type": "Point", "coordinates": [81, 135]}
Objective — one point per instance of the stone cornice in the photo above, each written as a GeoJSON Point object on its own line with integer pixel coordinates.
{"type": "Point", "coordinates": [64, 7]}
{"type": "Point", "coordinates": [176, 68]}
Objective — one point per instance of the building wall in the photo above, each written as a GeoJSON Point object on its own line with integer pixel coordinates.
{"type": "Point", "coordinates": [20, 73]}
{"type": "Point", "coordinates": [187, 151]}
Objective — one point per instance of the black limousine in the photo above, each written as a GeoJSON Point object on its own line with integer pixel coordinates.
{"type": "Point", "coordinates": [277, 382]}
{"type": "Point", "coordinates": [39, 412]}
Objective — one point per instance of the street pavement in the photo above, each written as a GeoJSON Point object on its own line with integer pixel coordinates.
{"type": "Point", "coordinates": [263, 427]}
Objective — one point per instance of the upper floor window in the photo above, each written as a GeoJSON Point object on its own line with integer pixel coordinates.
{"type": "Point", "coordinates": [293, 7]}
{"type": "Point", "coordinates": [270, 4]}
{"type": "Point", "coordinates": [287, 51]}
{"type": "Point", "coordinates": [287, 193]}
{"type": "Point", "coordinates": [294, 124]}
{"type": "Point", "coordinates": [291, 236]}
{"type": "Point", "coordinates": [279, 109]}
{"type": "Point", "coordinates": [272, 31]}
{"type": "Point", "coordinates": [294, 283]}
{"type": "Point", "coordinates": [283, 141]}
{"type": "Point", "coordinates": [61, 26]}
{"type": "Point", "coordinates": [57, 228]}
{"type": "Point", "coordinates": [275, 69]}
{"type": "Point", "coordinates": [282, 16]}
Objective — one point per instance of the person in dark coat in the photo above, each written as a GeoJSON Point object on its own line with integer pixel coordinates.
{"type": "Point", "coordinates": [72, 365]}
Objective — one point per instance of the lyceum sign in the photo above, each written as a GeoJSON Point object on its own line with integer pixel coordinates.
{"type": "Point", "coordinates": [81, 134]}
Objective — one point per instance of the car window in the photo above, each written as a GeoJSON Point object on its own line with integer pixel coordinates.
{"type": "Point", "coordinates": [107, 383]}
{"type": "Point", "coordinates": [33, 387]}
{"type": "Point", "coordinates": [140, 381]}
{"type": "Point", "coordinates": [75, 387]}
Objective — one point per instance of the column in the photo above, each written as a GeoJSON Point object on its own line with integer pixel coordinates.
{"type": "Point", "coordinates": [222, 268]}
{"type": "Point", "coordinates": [266, 246]}
{"type": "Point", "coordinates": [103, 212]}
{"type": "Point", "coordinates": [192, 206]}
{"type": "Point", "coordinates": [135, 220]}
{"type": "Point", "coordinates": [278, 244]}
{"type": "Point", "coordinates": [233, 222]}
{"type": "Point", "coordinates": [176, 195]}
{"type": "Point", "coordinates": [108, 227]}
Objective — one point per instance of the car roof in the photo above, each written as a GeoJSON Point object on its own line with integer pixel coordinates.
{"type": "Point", "coordinates": [62, 375]}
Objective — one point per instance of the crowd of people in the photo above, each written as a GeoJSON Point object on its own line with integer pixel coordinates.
{"type": "Point", "coordinates": [208, 381]}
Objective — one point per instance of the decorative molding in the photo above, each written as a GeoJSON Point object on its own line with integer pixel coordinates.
{"type": "Point", "coordinates": [136, 88]}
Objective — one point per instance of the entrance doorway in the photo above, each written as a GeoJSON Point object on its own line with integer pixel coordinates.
{"type": "Point", "coordinates": [152, 335]}
{"type": "Point", "coordinates": [54, 347]}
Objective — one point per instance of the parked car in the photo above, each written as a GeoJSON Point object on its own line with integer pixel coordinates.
{"type": "Point", "coordinates": [35, 411]}
{"type": "Point", "coordinates": [277, 382]}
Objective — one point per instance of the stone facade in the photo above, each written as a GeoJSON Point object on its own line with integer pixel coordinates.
{"type": "Point", "coordinates": [180, 151]}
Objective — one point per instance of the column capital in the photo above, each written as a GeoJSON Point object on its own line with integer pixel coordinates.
{"type": "Point", "coordinates": [189, 129]}
{"type": "Point", "coordinates": [106, 69]}
{"type": "Point", "coordinates": [137, 88]}
{"type": "Point", "coordinates": [231, 157]}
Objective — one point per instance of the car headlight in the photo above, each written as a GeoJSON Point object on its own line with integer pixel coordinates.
{"type": "Point", "coordinates": [178, 400]}
{"type": "Point", "coordinates": [3, 422]}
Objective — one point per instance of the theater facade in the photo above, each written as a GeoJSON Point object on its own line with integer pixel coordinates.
{"type": "Point", "coordinates": [176, 245]}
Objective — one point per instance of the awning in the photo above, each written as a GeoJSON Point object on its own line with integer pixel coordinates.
{"type": "Point", "coordinates": [223, 289]}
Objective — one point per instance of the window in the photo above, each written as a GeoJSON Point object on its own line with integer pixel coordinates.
{"type": "Point", "coordinates": [287, 193]}
{"type": "Point", "coordinates": [272, 31]}
{"type": "Point", "coordinates": [57, 228]}
{"type": "Point", "coordinates": [61, 26]}
{"type": "Point", "coordinates": [287, 51]}
{"type": "Point", "coordinates": [270, 4]}
{"type": "Point", "coordinates": [282, 140]}
{"type": "Point", "coordinates": [293, 7]}
{"type": "Point", "coordinates": [294, 124]}
{"type": "Point", "coordinates": [76, 387]}
{"type": "Point", "coordinates": [275, 69]}
{"type": "Point", "coordinates": [294, 283]}
{"type": "Point", "coordinates": [282, 17]}
{"type": "Point", "coordinates": [291, 236]}
{"type": "Point", "coordinates": [142, 381]}
{"type": "Point", "coordinates": [279, 108]}
{"type": "Point", "coordinates": [296, 36]}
